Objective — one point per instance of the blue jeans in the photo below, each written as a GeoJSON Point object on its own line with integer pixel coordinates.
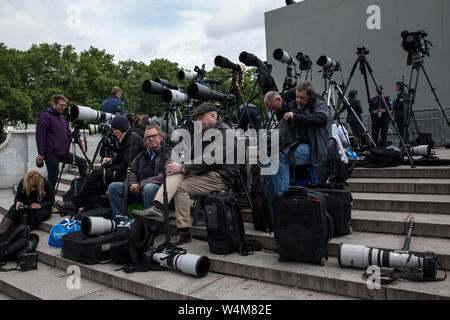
{"type": "Point", "coordinates": [115, 193]}
{"type": "Point", "coordinates": [275, 185]}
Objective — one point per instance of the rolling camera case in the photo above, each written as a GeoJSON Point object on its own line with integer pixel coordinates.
{"type": "Point", "coordinates": [85, 249]}
{"type": "Point", "coordinates": [302, 226]}
{"type": "Point", "coordinates": [224, 226]}
{"type": "Point", "coordinates": [339, 206]}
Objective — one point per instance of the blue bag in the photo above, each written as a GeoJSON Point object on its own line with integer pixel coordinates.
{"type": "Point", "coordinates": [61, 229]}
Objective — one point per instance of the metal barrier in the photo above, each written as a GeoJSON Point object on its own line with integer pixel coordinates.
{"type": "Point", "coordinates": [429, 121]}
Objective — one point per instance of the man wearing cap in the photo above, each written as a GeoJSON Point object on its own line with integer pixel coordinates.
{"type": "Point", "coordinates": [113, 169]}
{"type": "Point", "coordinates": [380, 118]}
{"type": "Point", "coordinates": [185, 180]}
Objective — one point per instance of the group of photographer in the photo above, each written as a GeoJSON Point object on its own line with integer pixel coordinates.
{"type": "Point", "coordinates": [380, 118]}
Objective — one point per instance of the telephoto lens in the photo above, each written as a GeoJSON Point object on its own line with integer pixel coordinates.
{"type": "Point", "coordinates": [186, 75]}
{"type": "Point", "coordinates": [194, 265]}
{"type": "Point", "coordinates": [282, 56]}
{"type": "Point", "coordinates": [97, 226]}
{"type": "Point", "coordinates": [88, 114]}
{"type": "Point", "coordinates": [152, 87]}
{"type": "Point", "coordinates": [174, 96]}
{"type": "Point", "coordinates": [327, 62]}
{"type": "Point", "coordinates": [361, 257]}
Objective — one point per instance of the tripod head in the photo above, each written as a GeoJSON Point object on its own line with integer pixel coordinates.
{"type": "Point", "coordinates": [362, 51]}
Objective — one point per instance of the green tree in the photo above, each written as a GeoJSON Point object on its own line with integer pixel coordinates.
{"type": "Point", "coordinates": [15, 104]}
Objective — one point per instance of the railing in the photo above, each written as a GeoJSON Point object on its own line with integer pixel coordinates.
{"type": "Point", "coordinates": [429, 121]}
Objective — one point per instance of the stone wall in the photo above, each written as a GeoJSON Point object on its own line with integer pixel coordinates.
{"type": "Point", "coordinates": [18, 155]}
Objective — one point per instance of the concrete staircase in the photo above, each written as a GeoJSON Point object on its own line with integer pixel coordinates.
{"type": "Point", "coordinates": [385, 199]}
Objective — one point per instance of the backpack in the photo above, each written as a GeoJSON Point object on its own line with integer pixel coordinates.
{"type": "Point", "coordinates": [13, 242]}
{"type": "Point", "coordinates": [334, 170]}
{"type": "Point", "coordinates": [224, 226]}
{"type": "Point", "coordinates": [260, 211]}
{"type": "Point", "coordinates": [141, 240]}
{"type": "Point", "coordinates": [384, 158]}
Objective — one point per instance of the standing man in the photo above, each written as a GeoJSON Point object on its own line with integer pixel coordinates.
{"type": "Point", "coordinates": [53, 139]}
{"type": "Point", "coordinates": [400, 106]}
{"type": "Point", "coordinates": [146, 175]}
{"type": "Point", "coordinates": [114, 104]}
{"type": "Point", "coordinates": [352, 118]}
{"type": "Point", "coordinates": [380, 118]}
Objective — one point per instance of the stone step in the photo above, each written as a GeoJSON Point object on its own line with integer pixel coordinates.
{"type": "Point", "coordinates": [393, 242]}
{"type": "Point", "coordinates": [261, 266]}
{"type": "Point", "coordinates": [420, 186]}
{"type": "Point", "coordinates": [30, 286]}
{"type": "Point", "coordinates": [237, 277]}
{"type": "Point", "coordinates": [403, 172]}
{"type": "Point", "coordinates": [174, 285]}
{"type": "Point", "coordinates": [426, 224]}
{"type": "Point", "coordinates": [424, 203]}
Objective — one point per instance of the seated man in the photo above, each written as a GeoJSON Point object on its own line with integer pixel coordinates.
{"type": "Point", "coordinates": [309, 121]}
{"type": "Point", "coordinates": [188, 180]}
{"type": "Point", "coordinates": [114, 168]}
{"type": "Point", "coordinates": [146, 174]}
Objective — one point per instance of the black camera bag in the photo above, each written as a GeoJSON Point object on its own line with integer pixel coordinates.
{"type": "Point", "coordinates": [86, 249]}
{"type": "Point", "coordinates": [120, 246]}
{"type": "Point", "coordinates": [339, 203]}
{"type": "Point", "coordinates": [224, 226]}
{"type": "Point", "coordinates": [302, 226]}
{"type": "Point", "coordinates": [13, 241]}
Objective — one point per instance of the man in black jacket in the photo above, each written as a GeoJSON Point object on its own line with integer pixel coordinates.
{"type": "Point", "coordinates": [146, 174]}
{"type": "Point", "coordinates": [185, 180]}
{"type": "Point", "coordinates": [113, 169]}
{"type": "Point", "coordinates": [380, 118]}
{"type": "Point", "coordinates": [400, 107]}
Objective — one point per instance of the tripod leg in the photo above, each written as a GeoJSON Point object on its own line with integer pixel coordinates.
{"type": "Point", "coordinates": [435, 95]}
{"type": "Point", "coordinates": [391, 118]}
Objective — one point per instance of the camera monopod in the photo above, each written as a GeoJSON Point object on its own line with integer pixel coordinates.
{"type": "Point", "coordinates": [127, 178]}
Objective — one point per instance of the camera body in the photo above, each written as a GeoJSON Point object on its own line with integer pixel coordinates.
{"type": "Point", "coordinates": [416, 42]}
{"type": "Point", "coordinates": [305, 62]}
{"type": "Point", "coordinates": [28, 261]}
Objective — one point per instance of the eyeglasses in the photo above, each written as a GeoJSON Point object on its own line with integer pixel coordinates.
{"type": "Point", "coordinates": [62, 105]}
{"type": "Point", "coordinates": [152, 137]}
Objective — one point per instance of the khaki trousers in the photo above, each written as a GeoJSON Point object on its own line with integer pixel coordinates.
{"type": "Point", "coordinates": [180, 188]}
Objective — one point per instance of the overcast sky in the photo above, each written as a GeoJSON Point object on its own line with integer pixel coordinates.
{"type": "Point", "coordinates": [189, 32]}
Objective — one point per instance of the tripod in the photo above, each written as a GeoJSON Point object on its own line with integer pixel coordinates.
{"type": "Point", "coordinates": [417, 65]}
{"type": "Point", "coordinates": [331, 93]}
{"type": "Point", "coordinates": [364, 66]}
{"type": "Point", "coordinates": [74, 141]}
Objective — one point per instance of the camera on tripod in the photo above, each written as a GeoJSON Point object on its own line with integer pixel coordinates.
{"type": "Point", "coordinates": [362, 51]}
{"type": "Point", "coordinates": [305, 62]}
{"type": "Point", "coordinates": [328, 63]}
{"type": "Point", "coordinates": [416, 42]}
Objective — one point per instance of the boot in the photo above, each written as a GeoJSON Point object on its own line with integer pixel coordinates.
{"type": "Point", "coordinates": [5, 224]}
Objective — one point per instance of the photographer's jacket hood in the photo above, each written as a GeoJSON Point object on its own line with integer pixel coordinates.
{"type": "Point", "coordinates": [52, 133]}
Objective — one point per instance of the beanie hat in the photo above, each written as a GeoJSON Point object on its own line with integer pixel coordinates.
{"type": "Point", "coordinates": [120, 123]}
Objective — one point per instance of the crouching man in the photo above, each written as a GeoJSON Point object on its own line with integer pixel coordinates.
{"type": "Point", "coordinates": [188, 180]}
{"type": "Point", "coordinates": [146, 174]}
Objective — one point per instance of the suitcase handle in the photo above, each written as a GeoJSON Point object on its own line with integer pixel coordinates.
{"type": "Point", "coordinates": [299, 191]}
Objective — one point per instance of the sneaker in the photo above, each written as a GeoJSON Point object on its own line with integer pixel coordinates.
{"type": "Point", "coordinates": [150, 212]}
{"type": "Point", "coordinates": [182, 237]}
